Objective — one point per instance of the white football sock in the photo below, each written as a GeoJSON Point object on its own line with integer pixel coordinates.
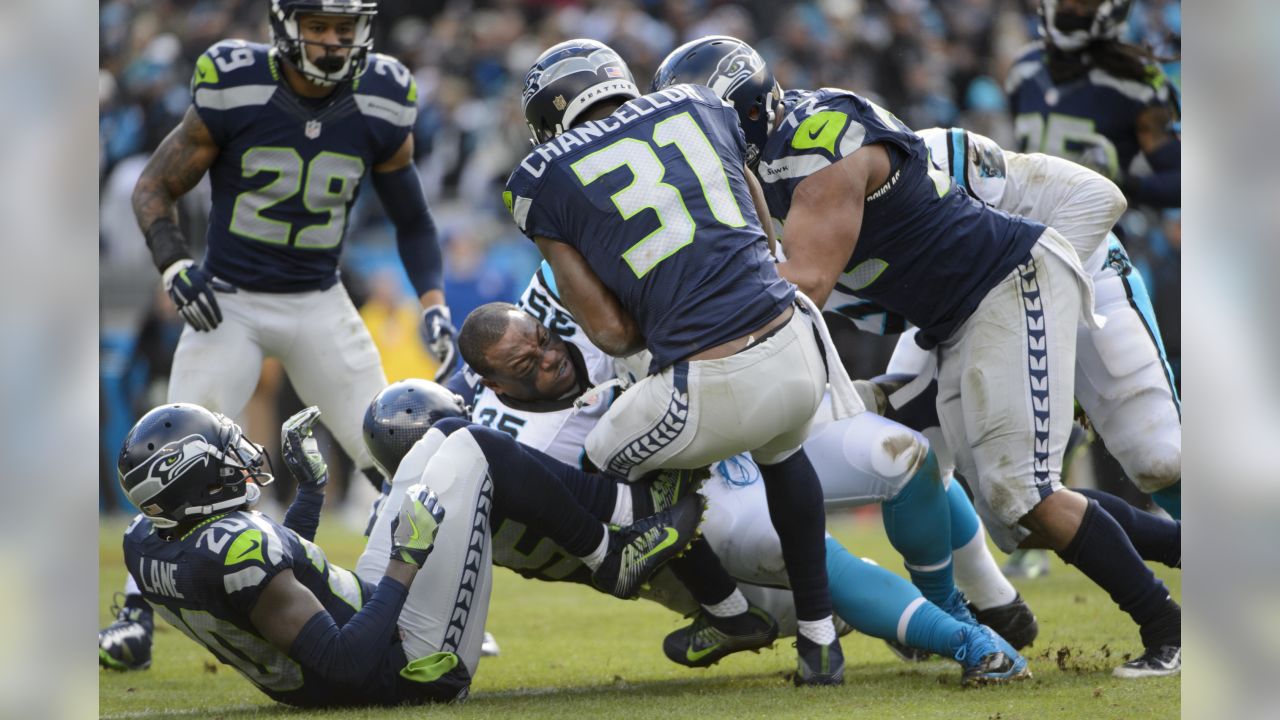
{"type": "Point", "coordinates": [597, 556]}
{"type": "Point", "coordinates": [978, 576]}
{"type": "Point", "coordinates": [623, 509]}
{"type": "Point", "coordinates": [735, 604]}
{"type": "Point", "coordinates": [821, 631]}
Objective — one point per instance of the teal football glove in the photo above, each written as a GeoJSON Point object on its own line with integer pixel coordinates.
{"type": "Point", "coordinates": [413, 532]}
{"type": "Point", "coordinates": [301, 454]}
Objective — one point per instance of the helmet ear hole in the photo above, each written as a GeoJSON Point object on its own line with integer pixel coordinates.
{"type": "Point", "coordinates": [754, 112]}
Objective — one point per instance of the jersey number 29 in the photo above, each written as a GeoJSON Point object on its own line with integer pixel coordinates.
{"type": "Point", "coordinates": [328, 185]}
{"type": "Point", "coordinates": [648, 191]}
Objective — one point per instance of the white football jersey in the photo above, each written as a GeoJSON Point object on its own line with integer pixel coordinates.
{"type": "Point", "coordinates": [557, 429]}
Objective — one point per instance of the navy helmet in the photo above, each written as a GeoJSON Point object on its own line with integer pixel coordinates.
{"type": "Point", "coordinates": [734, 71]}
{"type": "Point", "coordinates": [1073, 31]}
{"type": "Point", "coordinates": [182, 461]}
{"type": "Point", "coordinates": [568, 78]}
{"type": "Point", "coordinates": [287, 37]}
{"type": "Point", "coordinates": [401, 414]}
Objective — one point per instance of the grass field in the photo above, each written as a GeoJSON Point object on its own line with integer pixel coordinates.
{"type": "Point", "coordinates": [571, 652]}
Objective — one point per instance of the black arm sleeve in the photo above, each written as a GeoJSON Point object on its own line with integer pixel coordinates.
{"type": "Point", "coordinates": [402, 197]}
{"type": "Point", "coordinates": [348, 654]}
{"type": "Point", "coordinates": [303, 516]}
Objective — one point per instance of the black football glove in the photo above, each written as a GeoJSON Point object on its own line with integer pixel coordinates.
{"type": "Point", "coordinates": [301, 454]}
{"type": "Point", "coordinates": [441, 338]}
{"type": "Point", "coordinates": [191, 290]}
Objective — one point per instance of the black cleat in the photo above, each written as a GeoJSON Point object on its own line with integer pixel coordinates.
{"type": "Point", "coordinates": [638, 550]}
{"type": "Point", "coordinates": [818, 664]}
{"type": "Point", "coordinates": [126, 643]}
{"type": "Point", "coordinates": [708, 639]}
{"type": "Point", "coordinates": [1155, 662]}
{"type": "Point", "coordinates": [1014, 621]}
{"type": "Point", "coordinates": [906, 653]}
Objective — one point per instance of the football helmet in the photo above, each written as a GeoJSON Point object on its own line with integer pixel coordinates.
{"type": "Point", "coordinates": [286, 36]}
{"type": "Point", "coordinates": [734, 71]}
{"type": "Point", "coordinates": [1071, 30]}
{"type": "Point", "coordinates": [182, 461]}
{"type": "Point", "coordinates": [401, 414]}
{"type": "Point", "coordinates": [568, 78]}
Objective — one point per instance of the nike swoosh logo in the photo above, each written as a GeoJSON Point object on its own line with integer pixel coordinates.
{"type": "Point", "coordinates": [246, 552]}
{"type": "Point", "coordinates": [694, 656]}
{"type": "Point", "coordinates": [813, 134]}
{"type": "Point", "coordinates": [667, 542]}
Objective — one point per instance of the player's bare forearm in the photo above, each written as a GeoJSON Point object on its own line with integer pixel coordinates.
{"type": "Point", "coordinates": [184, 156]}
{"type": "Point", "coordinates": [598, 311]}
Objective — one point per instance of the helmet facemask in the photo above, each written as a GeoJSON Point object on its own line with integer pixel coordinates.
{"type": "Point", "coordinates": [1073, 32]}
{"type": "Point", "coordinates": [329, 69]}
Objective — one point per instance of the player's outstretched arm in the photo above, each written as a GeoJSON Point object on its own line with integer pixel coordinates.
{"type": "Point", "coordinates": [826, 219]}
{"type": "Point", "coordinates": [597, 310]}
{"type": "Point", "coordinates": [399, 188]}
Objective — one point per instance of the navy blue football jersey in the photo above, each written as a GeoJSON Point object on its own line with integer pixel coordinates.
{"type": "Point", "coordinates": [655, 199]}
{"type": "Point", "coordinates": [1091, 120]}
{"type": "Point", "coordinates": [288, 168]}
{"type": "Point", "coordinates": [927, 250]}
{"type": "Point", "coordinates": [206, 583]}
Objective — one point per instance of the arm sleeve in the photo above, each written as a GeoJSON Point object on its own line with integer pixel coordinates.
{"type": "Point", "coordinates": [416, 237]}
{"type": "Point", "coordinates": [303, 516]}
{"type": "Point", "coordinates": [348, 654]}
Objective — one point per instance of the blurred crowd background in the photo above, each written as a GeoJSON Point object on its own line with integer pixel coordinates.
{"type": "Point", "coordinates": [932, 62]}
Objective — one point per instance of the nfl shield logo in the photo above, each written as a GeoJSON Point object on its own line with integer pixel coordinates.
{"type": "Point", "coordinates": [560, 103]}
{"type": "Point", "coordinates": [312, 130]}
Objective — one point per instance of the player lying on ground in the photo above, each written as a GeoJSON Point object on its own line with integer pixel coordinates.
{"type": "Point", "coordinates": [997, 299]}
{"type": "Point", "coordinates": [868, 597]}
{"type": "Point", "coordinates": [263, 598]}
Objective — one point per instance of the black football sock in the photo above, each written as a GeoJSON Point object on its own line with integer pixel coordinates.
{"type": "Point", "coordinates": [1104, 554]}
{"type": "Point", "coordinates": [528, 490]}
{"type": "Point", "coordinates": [795, 508]}
{"type": "Point", "coordinates": [1155, 538]}
{"type": "Point", "coordinates": [700, 570]}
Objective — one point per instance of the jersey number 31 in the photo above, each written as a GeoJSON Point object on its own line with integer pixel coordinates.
{"type": "Point", "coordinates": [648, 191]}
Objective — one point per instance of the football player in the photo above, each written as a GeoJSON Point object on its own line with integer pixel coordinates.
{"type": "Point", "coordinates": [644, 210]}
{"type": "Point", "coordinates": [286, 131]}
{"type": "Point", "coordinates": [997, 299]}
{"type": "Point", "coordinates": [262, 597]}
{"type": "Point", "coordinates": [1082, 94]}
{"type": "Point", "coordinates": [542, 414]}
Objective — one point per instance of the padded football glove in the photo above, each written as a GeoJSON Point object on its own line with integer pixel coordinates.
{"type": "Point", "coordinates": [413, 532]}
{"type": "Point", "coordinates": [441, 338]}
{"type": "Point", "coordinates": [190, 289]}
{"type": "Point", "coordinates": [301, 454]}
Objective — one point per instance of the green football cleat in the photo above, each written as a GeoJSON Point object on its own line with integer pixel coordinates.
{"type": "Point", "coordinates": [708, 639]}
{"type": "Point", "coordinates": [638, 550]}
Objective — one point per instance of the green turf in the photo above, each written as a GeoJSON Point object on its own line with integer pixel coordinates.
{"type": "Point", "coordinates": [570, 652]}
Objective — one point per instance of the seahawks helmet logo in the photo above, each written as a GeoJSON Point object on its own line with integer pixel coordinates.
{"type": "Point", "coordinates": [540, 78]}
{"type": "Point", "coordinates": [734, 70]}
{"type": "Point", "coordinates": [166, 465]}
